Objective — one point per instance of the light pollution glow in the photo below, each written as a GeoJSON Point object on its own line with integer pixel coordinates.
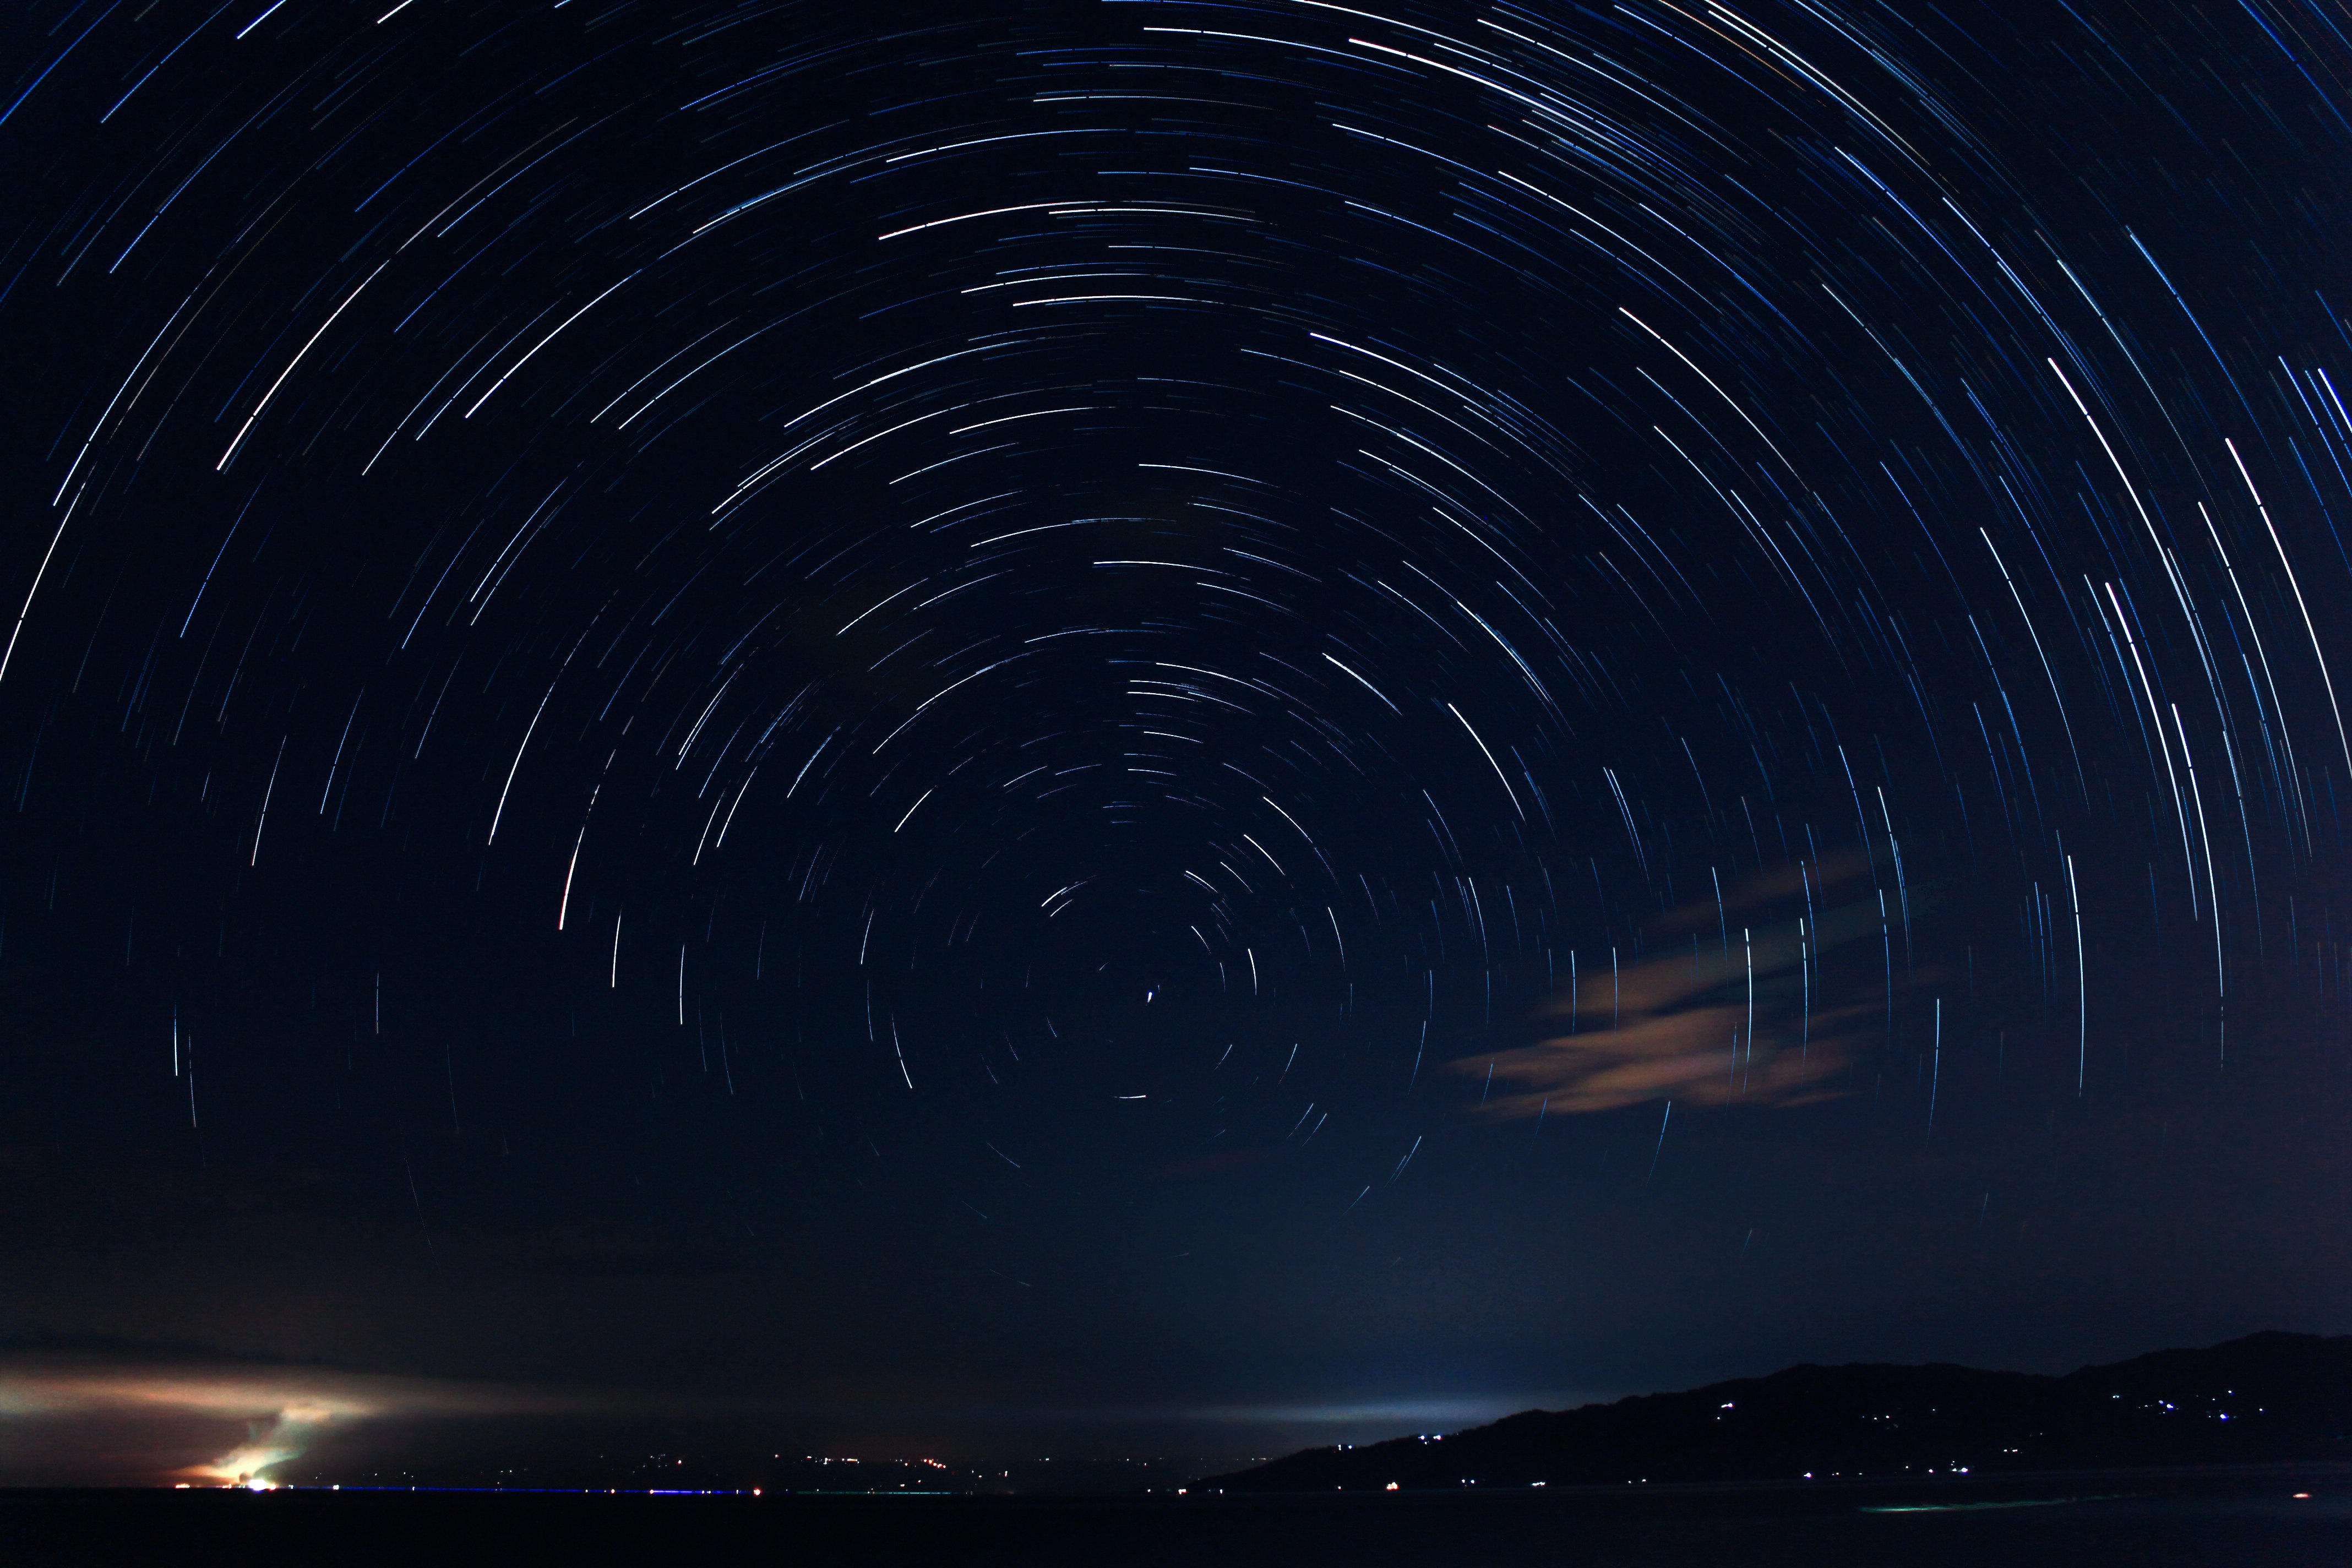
{"type": "Point", "coordinates": [285, 1411]}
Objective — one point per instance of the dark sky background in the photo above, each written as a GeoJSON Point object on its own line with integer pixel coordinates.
{"type": "Point", "coordinates": [1153, 727]}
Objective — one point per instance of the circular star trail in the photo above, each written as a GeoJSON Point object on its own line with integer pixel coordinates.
{"type": "Point", "coordinates": [1073, 643]}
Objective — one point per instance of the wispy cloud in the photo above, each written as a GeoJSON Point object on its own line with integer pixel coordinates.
{"type": "Point", "coordinates": [1740, 1018]}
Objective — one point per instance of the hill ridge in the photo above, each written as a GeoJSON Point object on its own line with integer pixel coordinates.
{"type": "Point", "coordinates": [2266, 1397]}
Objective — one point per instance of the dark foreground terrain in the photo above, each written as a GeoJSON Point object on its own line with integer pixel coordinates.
{"type": "Point", "coordinates": [2265, 1399]}
{"type": "Point", "coordinates": [2147, 1519]}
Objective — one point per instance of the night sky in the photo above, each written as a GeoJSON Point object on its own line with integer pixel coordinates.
{"type": "Point", "coordinates": [1154, 727]}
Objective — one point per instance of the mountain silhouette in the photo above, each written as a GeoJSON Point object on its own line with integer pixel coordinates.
{"type": "Point", "coordinates": [2265, 1399]}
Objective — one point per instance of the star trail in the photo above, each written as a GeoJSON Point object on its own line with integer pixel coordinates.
{"type": "Point", "coordinates": [1108, 704]}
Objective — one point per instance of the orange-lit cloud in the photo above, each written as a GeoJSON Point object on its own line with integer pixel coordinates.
{"type": "Point", "coordinates": [1737, 1019]}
